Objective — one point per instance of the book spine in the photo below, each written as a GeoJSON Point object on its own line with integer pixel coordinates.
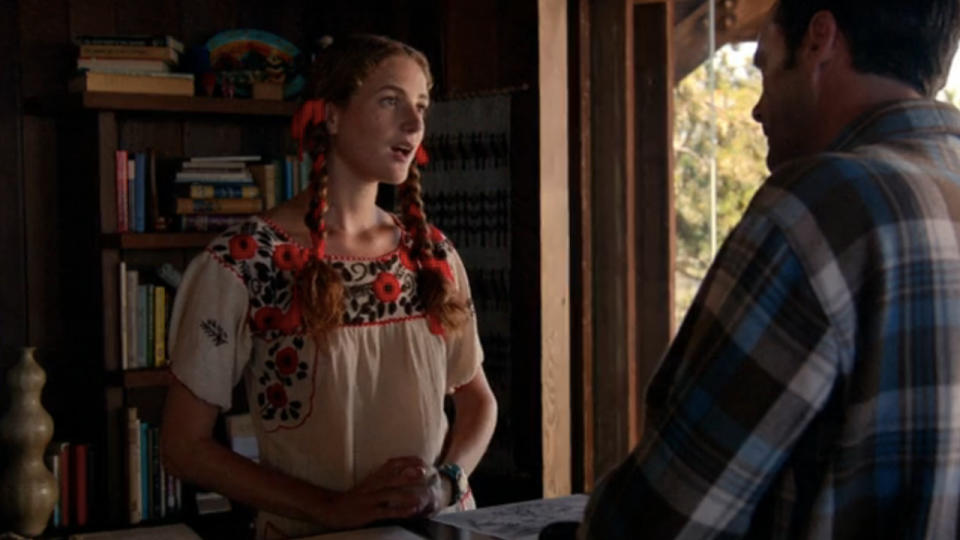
{"type": "Point", "coordinates": [121, 173]}
{"type": "Point", "coordinates": [131, 41]}
{"type": "Point", "coordinates": [79, 456]}
{"type": "Point", "coordinates": [141, 326]}
{"type": "Point", "coordinates": [135, 512]}
{"type": "Point", "coordinates": [154, 219]}
{"type": "Point", "coordinates": [150, 328]}
{"type": "Point", "coordinates": [65, 472]}
{"type": "Point", "coordinates": [207, 191]}
{"type": "Point", "coordinates": [160, 327]}
{"type": "Point", "coordinates": [208, 222]}
{"type": "Point", "coordinates": [288, 178]}
{"type": "Point", "coordinates": [156, 478]}
{"type": "Point", "coordinates": [131, 195]}
{"type": "Point", "coordinates": [132, 52]}
{"type": "Point", "coordinates": [55, 469]}
{"type": "Point", "coordinates": [124, 329]}
{"type": "Point", "coordinates": [144, 471]}
{"type": "Point", "coordinates": [133, 279]}
{"type": "Point", "coordinates": [224, 206]}
{"type": "Point", "coordinates": [141, 160]}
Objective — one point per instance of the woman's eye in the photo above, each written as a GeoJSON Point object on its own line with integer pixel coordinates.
{"type": "Point", "coordinates": [389, 100]}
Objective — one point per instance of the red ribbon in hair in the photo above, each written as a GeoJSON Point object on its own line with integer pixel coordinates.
{"type": "Point", "coordinates": [421, 156]}
{"type": "Point", "coordinates": [311, 112]}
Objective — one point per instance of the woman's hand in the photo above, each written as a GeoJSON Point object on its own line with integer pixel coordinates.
{"type": "Point", "coordinates": [440, 492]}
{"type": "Point", "coordinates": [400, 488]}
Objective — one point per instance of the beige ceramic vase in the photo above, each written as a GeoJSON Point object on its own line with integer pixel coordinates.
{"type": "Point", "coordinates": [28, 491]}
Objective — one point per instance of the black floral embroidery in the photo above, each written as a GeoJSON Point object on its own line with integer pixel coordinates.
{"type": "Point", "coordinates": [214, 331]}
{"type": "Point", "coordinates": [280, 374]}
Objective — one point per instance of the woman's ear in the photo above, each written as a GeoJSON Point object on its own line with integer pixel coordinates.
{"type": "Point", "coordinates": [332, 117]}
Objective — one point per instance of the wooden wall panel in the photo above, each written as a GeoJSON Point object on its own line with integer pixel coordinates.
{"type": "Point", "coordinates": [653, 140]}
{"type": "Point", "coordinates": [554, 249]}
{"type": "Point", "coordinates": [581, 253]}
{"type": "Point", "coordinates": [610, 209]}
{"type": "Point", "coordinates": [13, 298]}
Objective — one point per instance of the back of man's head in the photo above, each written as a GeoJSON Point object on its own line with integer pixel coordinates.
{"type": "Point", "coordinates": [909, 40]}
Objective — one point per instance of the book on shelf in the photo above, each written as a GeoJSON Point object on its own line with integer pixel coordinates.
{"type": "Point", "coordinates": [152, 493]}
{"type": "Point", "coordinates": [130, 52]}
{"type": "Point", "coordinates": [123, 65]}
{"type": "Point", "coordinates": [144, 317]}
{"type": "Point", "coordinates": [121, 191]}
{"type": "Point", "coordinates": [221, 191]}
{"type": "Point", "coordinates": [191, 176]}
{"type": "Point", "coordinates": [221, 206]}
{"type": "Point", "coordinates": [131, 41]}
{"type": "Point", "coordinates": [133, 474]}
{"type": "Point", "coordinates": [240, 158]}
{"type": "Point", "coordinates": [72, 465]}
{"type": "Point", "coordinates": [209, 222]}
{"type": "Point", "coordinates": [265, 176]}
{"type": "Point", "coordinates": [135, 82]}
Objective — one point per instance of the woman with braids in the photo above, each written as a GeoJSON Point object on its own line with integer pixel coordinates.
{"type": "Point", "coordinates": [348, 324]}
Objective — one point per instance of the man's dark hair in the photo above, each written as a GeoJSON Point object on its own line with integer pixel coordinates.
{"type": "Point", "coordinates": [909, 40]}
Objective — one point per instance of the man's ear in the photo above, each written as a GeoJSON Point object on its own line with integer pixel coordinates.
{"type": "Point", "coordinates": [822, 40]}
{"type": "Point", "coordinates": [332, 116]}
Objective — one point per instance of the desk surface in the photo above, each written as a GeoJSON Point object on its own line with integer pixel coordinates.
{"type": "Point", "coordinates": [516, 521]}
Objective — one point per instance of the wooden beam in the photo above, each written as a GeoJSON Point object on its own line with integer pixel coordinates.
{"type": "Point", "coordinates": [610, 210]}
{"type": "Point", "coordinates": [554, 249]}
{"type": "Point", "coordinates": [652, 129]}
{"type": "Point", "coordinates": [581, 268]}
{"type": "Point", "coordinates": [737, 20]}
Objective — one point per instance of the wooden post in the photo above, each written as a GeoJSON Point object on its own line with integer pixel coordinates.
{"type": "Point", "coordinates": [626, 225]}
{"type": "Point", "coordinates": [654, 225]}
{"type": "Point", "coordinates": [554, 249]}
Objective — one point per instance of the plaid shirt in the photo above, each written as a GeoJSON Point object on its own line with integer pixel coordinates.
{"type": "Point", "coordinates": [813, 390]}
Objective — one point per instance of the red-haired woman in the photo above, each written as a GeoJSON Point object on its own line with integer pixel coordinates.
{"type": "Point", "coordinates": [348, 324]}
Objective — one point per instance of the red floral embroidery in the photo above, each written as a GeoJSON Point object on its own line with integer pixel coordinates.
{"type": "Point", "coordinates": [386, 287]}
{"type": "Point", "coordinates": [287, 361]}
{"type": "Point", "coordinates": [276, 395]}
{"type": "Point", "coordinates": [406, 261]}
{"type": "Point", "coordinates": [242, 246]}
{"type": "Point", "coordinates": [267, 318]}
{"type": "Point", "coordinates": [287, 257]}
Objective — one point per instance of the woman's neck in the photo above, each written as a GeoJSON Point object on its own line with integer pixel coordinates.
{"type": "Point", "coordinates": [351, 201]}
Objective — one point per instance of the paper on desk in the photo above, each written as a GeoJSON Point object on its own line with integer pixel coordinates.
{"type": "Point", "coordinates": [518, 521]}
{"type": "Point", "coordinates": [376, 533]}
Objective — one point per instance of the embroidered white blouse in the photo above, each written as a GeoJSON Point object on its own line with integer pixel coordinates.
{"type": "Point", "coordinates": [328, 414]}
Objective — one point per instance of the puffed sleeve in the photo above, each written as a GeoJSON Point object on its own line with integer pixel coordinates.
{"type": "Point", "coordinates": [464, 353]}
{"type": "Point", "coordinates": [210, 342]}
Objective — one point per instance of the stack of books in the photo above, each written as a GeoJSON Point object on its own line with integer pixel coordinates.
{"type": "Point", "coordinates": [131, 64]}
{"type": "Point", "coordinates": [213, 193]}
{"type": "Point", "coordinates": [152, 492]}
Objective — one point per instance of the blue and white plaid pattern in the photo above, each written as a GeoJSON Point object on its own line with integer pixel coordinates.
{"type": "Point", "coordinates": [813, 390]}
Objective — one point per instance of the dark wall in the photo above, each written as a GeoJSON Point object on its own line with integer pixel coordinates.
{"type": "Point", "coordinates": [13, 315]}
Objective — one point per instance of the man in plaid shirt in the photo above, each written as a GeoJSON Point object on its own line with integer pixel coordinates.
{"type": "Point", "coordinates": [813, 390]}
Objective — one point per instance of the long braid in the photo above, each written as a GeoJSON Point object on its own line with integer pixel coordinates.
{"type": "Point", "coordinates": [439, 295]}
{"type": "Point", "coordinates": [321, 287]}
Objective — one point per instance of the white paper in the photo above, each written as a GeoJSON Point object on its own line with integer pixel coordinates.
{"type": "Point", "coordinates": [517, 521]}
{"type": "Point", "coordinates": [376, 533]}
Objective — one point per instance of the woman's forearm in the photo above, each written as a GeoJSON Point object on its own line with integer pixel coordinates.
{"type": "Point", "coordinates": [476, 418]}
{"type": "Point", "coordinates": [212, 466]}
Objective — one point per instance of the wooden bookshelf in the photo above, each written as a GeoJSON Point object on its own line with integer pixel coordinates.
{"type": "Point", "coordinates": [174, 240]}
{"type": "Point", "coordinates": [141, 378]}
{"type": "Point", "coordinates": [117, 101]}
